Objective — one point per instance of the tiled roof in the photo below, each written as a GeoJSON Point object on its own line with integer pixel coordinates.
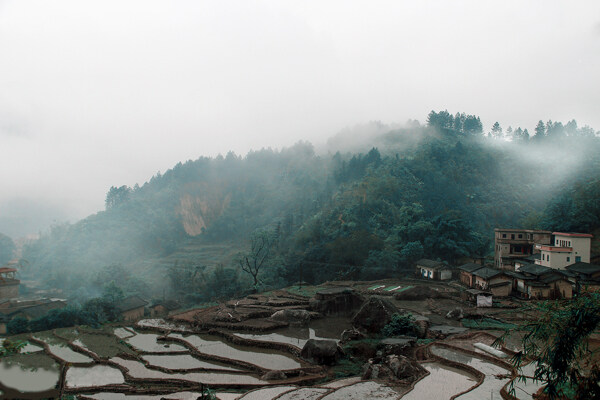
{"type": "Point", "coordinates": [487, 273]}
{"type": "Point", "coordinates": [131, 303]}
{"type": "Point", "coordinates": [583, 268]}
{"type": "Point", "coordinates": [470, 267]}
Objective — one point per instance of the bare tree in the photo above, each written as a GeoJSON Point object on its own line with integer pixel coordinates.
{"type": "Point", "coordinates": [261, 253]}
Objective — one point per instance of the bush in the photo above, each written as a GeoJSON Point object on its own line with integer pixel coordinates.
{"type": "Point", "coordinates": [17, 325]}
{"type": "Point", "coordinates": [400, 325]}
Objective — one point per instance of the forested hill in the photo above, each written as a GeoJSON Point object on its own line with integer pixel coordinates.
{"type": "Point", "coordinates": [433, 191]}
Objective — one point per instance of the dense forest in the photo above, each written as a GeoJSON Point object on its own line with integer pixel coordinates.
{"type": "Point", "coordinates": [360, 211]}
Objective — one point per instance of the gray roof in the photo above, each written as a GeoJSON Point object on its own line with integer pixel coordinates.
{"type": "Point", "coordinates": [487, 273]}
{"type": "Point", "coordinates": [424, 262]}
{"type": "Point", "coordinates": [583, 268]}
{"type": "Point", "coordinates": [470, 267]}
{"type": "Point", "coordinates": [131, 303]}
{"type": "Point", "coordinates": [534, 269]}
{"type": "Point", "coordinates": [38, 310]}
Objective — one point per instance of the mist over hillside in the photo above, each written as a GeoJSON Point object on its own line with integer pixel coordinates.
{"type": "Point", "coordinates": [375, 200]}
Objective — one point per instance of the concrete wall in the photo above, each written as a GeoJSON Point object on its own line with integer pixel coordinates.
{"type": "Point", "coordinates": [556, 259]}
{"type": "Point", "coordinates": [445, 274]}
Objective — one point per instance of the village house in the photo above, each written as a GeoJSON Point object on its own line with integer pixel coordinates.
{"type": "Point", "coordinates": [533, 281]}
{"type": "Point", "coordinates": [33, 311]}
{"type": "Point", "coordinates": [568, 248]}
{"type": "Point", "coordinates": [162, 308]}
{"type": "Point", "coordinates": [466, 273]}
{"type": "Point", "coordinates": [9, 285]}
{"type": "Point", "coordinates": [587, 276]}
{"type": "Point", "coordinates": [435, 270]}
{"type": "Point", "coordinates": [513, 244]}
{"type": "Point", "coordinates": [493, 280]}
{"type": "Point", "coordinates": [132, 308]}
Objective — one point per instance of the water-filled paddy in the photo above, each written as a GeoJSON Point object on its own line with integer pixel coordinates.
{"type": "Point", "coordinates": [184, 361]}
{"type": "Point", "coordinates": [364, 390]}
{"type": "Point", "coordinates": [269, 359]}
{"type": "Point", "coordinates": [266, 393]}
{"type": "Point", "coordinates": [29, 372]}
{"type": "Point", "coordinates": [147, 342]}
{"type": "Point", "coordinates": [441, 383]}
{"type": "Point", "coordinates": [304, 394]}
{"type": "Point", "coordinates": [65, 353]}
{"type": "Point", "coordinates": [292, 335]}
{"type": "Point", "coordinates": [98, 375]}
{"type": "Point", "coordinates": [491, 385]}
{"type": "Point", "coordinates": [138, 370]}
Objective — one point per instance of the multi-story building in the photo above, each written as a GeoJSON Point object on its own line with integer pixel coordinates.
{"type": "Point", "coordinates": [568, 248]}
{"type": "Point", "coordinates": [515, 244]}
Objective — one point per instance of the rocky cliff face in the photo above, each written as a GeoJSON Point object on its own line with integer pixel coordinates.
{"type": "Point", "coordinates": [199, 210]}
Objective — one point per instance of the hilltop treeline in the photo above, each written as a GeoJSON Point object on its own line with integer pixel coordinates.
{"type": "Point", "coordinates": [434, 191]}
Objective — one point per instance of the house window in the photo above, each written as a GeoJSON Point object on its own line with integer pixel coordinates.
{"type": "Point", "coordinates": [548, 258]}
{"type": "Point", "coordinates": [577, 259]}
{"type": "Point", "coordinates": [504, 236]}
{"type": "Point", "coordinates": [512, 236]}
{"type": "Point", "coordinates": [568, 259]}
{"type": "Point", "coordinates": [543, 257]}
{"type": "Point", "coordinates": [520, 236]}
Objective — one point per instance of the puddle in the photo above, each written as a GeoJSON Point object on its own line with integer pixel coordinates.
{"type": "Point", "coordinates": [266, 393]}
{"type": "Point", "coordinates": [98, 375]}
{"type": "Point", "coordinates": [160, 323]}
{"type": "Point", "coordinates": [138, 370]}
{"type": "Point", "coordinates": [490, 387]}
{"type": "Point", "coordinates": [304, 394]}
{"type": "Point", "coordinates": [269, 359]}
{"type": "Point", "coordinates": [29, 373]}
{"type": "Point", "coordinates": [184, 361]}
{"type": "Point", "coordinates": [68, 354]}
{"type": "Point", "coordinates": [147, 342]}
{"type": "Point", "coordinates": [363, 390]}
{"type": "Point", "coordinates": [441, 383]}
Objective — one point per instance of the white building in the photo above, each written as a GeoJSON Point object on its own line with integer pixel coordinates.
{"type": "Point", "coordinates": [568, 248]}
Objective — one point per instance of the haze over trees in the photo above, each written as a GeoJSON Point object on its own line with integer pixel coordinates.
{"type": "Point", "coordinates": [402, 193]}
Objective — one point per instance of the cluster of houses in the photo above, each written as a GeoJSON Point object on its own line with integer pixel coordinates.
{"type": "Point", "coordinates": [530, 264]}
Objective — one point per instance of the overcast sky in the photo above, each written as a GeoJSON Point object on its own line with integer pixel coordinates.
{"type": "Point", "coordinates": [101, 93]}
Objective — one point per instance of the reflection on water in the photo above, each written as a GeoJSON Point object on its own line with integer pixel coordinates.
{"type": "Point", "coordinates": [269, 359]}
{"type": "Point", "coordinates": [68, 355]}
{"type": "Point", "coordinates": [25, 378]}
{"type": "Point", "coordinates": [147, 342]}
{"type": "Point", "coordinates": [183, 361]}
{"type": "Point", "coordinates": [491, 386]}
{"type": "Point", "coordinates": [442, 382]}
{"type": "Point", "coordinates": [97, 375]}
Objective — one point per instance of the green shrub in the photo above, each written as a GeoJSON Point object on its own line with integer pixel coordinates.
{"type": "Point", "coordinates": [400, 325]}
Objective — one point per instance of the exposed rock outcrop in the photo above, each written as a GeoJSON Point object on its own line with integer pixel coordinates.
{"type": "Point", "coordinates": [322, 352]}
{"type": "Point", "coordinates": [336, 301]}
{"type": "Point", "coordinates": [395, 368]}
{"type": "Point", "coordinates": [351, 334]}
{"type": "Point", "coordinates": [375, 314]}
{"type": "Point", "coordinates": [294, 316]}
{"type": "Point", "coordinates": [456, 313]}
